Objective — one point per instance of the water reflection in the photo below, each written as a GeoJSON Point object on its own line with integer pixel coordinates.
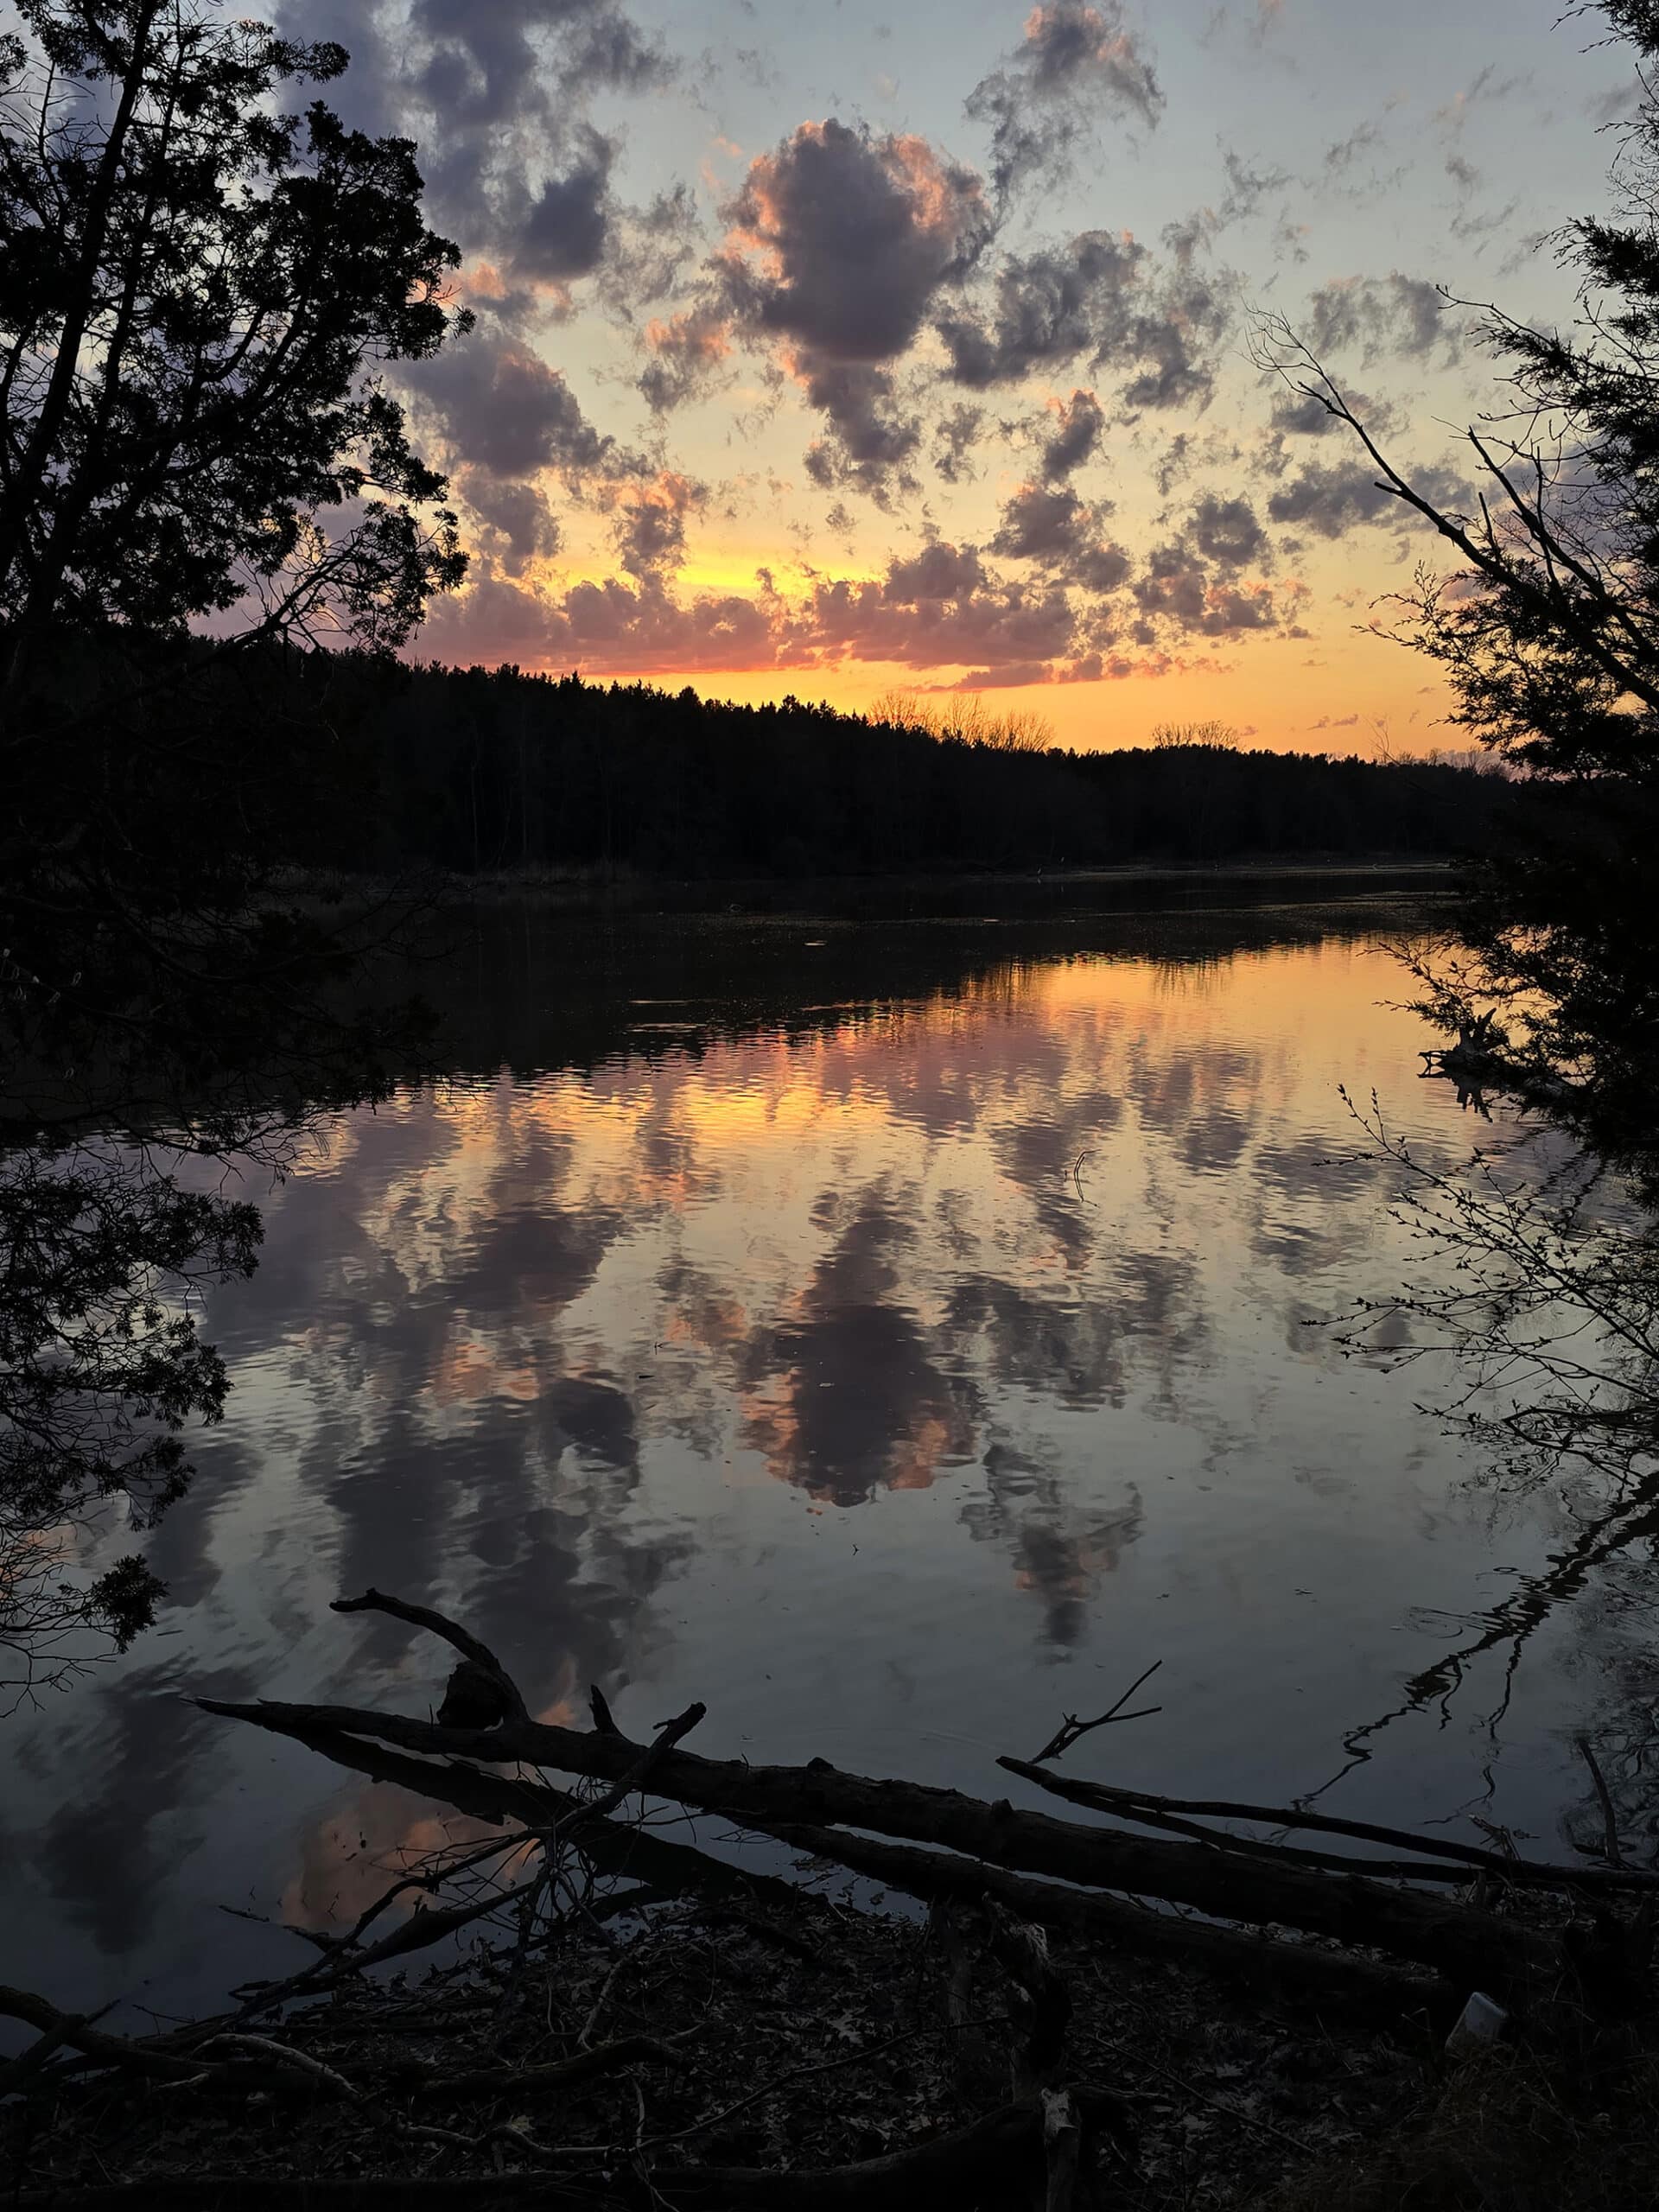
{"type": "Point", "coordinates": [853, 1360]}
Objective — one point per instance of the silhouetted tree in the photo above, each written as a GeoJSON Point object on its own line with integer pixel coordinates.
{"type": "Point", "coordinates": [201, 473]}
{"type": "Point", "coordinates": [1548, 633]}
{"type": "Point", "coordinates": [196, 284]}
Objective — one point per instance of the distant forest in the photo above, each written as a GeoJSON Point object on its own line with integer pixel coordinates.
{"type": "Point", "coordinates": [480, 770]}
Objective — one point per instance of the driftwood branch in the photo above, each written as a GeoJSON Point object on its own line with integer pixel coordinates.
{"type": "Point", "coordinates": [1304, 1973]}
{"type": "Point", "coordinates": [630, 1851]}
{"type": "Point", "coordinates": [469, 1645]}
{"type": "Point", "coordinates": [1072, 1729]}
{"type": "Point", "coordinates": [1173, 1813]}
{"type": "Point", "coordinates": [1473, 1948]}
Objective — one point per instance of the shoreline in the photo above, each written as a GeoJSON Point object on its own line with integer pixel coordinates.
{"type": "Point", "coordinates": [877, 894]}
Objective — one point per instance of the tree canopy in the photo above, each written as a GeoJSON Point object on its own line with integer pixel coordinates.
{"type": "Point", "coordinates": [1546, 630]}
{"type": "Point", "coordinates": [198, 287]}
{"type": "Point", "coordinates": [202, 471]}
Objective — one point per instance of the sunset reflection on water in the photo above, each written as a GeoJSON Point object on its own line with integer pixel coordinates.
{"type": "Point", "coordinates": [888, 1376]}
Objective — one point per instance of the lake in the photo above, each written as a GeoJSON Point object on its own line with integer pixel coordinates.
{"type": "Point", "coordinates": [893, 1325]}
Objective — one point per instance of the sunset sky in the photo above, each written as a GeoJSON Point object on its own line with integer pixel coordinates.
{"type": "Point", "coordinates": [834, 348]}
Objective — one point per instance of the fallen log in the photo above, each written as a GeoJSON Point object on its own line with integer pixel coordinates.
{"type": "Point", "coordinates": [1302, 1973]}
{"type": "Point", "coordinates": [1469, 1947]}
{"type": "Point", "coordinates": [615, 1847]}
{"type": "Point", "coordinates": [1468, 1859]}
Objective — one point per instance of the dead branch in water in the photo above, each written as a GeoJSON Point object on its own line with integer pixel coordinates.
{"type": "Point", "coordinates": [1135, 1804]}
{"type": "Point", "coordinates": [572, 2122]}
{"type": "Point", "coordinates": [1472, 1947]}
{"type": "Point", "coordinates": [1073, 1731]}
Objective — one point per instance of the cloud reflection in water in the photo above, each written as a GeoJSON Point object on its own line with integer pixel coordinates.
{"type": "Point", "coordinates": [866, 1355]}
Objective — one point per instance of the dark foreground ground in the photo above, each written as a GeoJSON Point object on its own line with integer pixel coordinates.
{"type": "Point", "coordinates": [736, 2051]}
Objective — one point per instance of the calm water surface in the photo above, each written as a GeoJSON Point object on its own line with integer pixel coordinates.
{"type": "Point", "coordinates": [891, 1334]}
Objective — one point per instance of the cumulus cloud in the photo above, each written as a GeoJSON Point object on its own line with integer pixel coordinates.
{"type": "Point", "coordinates": [957, 433]}
{"type": "Point", "coordinates": [1052, 527]}
{"type": "Point", "coordinates": [941, 611]}
{"type": "Point", "coordinates": [840, 242]}
{"type": "Point", "coordinates": [840, 239]}
{"type": "Point", "coordinates": [1077, 64]}
{"type": "Point", "coordinates": [1180, 591]}
{"type": "Point", "coordinates": [563, 231]}
{"type": "Point", "coordinates": [503, 409]}
{"type": "Point", "coordinates": [1228, 531]}
{"type": "Point", "coordinates": [649, 249]}
{"type": "Point", "coordinates": [649, 526]}
{"type": "Point", "coordinates": [1193, 584]}
{"type": "Point", "coordinates": [514, 525]}
{"type": "Point", "coordinates": [688, 353]}
{"type": "Point", "coordinates": [939, 608]}
{"type": "Point", "coordinates": [1078, 423]}
{"type": "Point", "coordinates": [613, 627]}
{"type": "Point", "coordinates": [1049, 307]}
{"type": "Point", "coordinates": [1331, 500]}
{"type": "Point", "coordinates": [1381, 317]}
{"type": "Point", "coordinates": [498, 99]}
{"type": "Point", "coordinates": [1102, 296]}
{"type": "Point", "coordinates": [868, 438]}
{"type": "Point", "coordinates": [1300, 415]}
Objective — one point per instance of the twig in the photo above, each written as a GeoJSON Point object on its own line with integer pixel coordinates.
{"type": "Point", "coordinates": [771, 2089]}
{"type": "Point", "coordinates": [301, 2060]}
{"type": "Point", "coordinates": [1072, 1729]}
{"type": "Point", "coordinates": [603, 1721]}
{"type": "Point", "coordinates": [1231, 2111]}
{"type": "Point", "coordinates": [1609, 1819]}
{"type": "Point", "coordinates": [1141, 1812]}
{"type": "Point", "coordinates": [592, 2021]}
{"type": "Point", "coordinates": [799, 2073]}
{"type": "Point", "coordinates": [106, 2050]}
{"type": "Point", "coordinates": [441, 2083]}
{"type": "Point", "coordinates": [429, 1876]}
{"type": "Point", "coordinates": [669, 1734]}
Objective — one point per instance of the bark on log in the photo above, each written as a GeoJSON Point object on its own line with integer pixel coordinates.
{"type": "Point", "coordinates": [614, 1847]}
{"type": "Point", "coordinates": [1023, 1952]}
{"type": "Point", "coordinates": [1156, 1812]}
{"type": "Point", "coordinates": [1519, 1964]}
{"type": "Point", "coordinates": [1062, 2144]}
{"type": "Point", "coordinates": [1300, 1972]}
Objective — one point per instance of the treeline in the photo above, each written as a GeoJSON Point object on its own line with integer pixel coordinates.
{"type": "Point", "coordinates": [477, 770]}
